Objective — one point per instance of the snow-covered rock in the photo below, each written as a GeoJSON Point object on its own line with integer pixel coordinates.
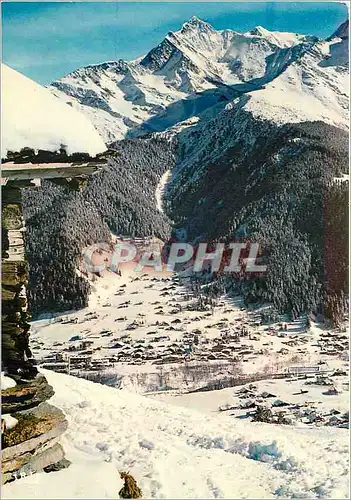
{"type": "Point", "coordinates": [10, 421]}
{"type": "Point", "coordinates": [314, 87]}
{"type": "Point", "coordinates": [6, 382]}
{"type": "Point", "coordinates": [200, 57]}
{"type": "Point", "coordinates": [32, 117]}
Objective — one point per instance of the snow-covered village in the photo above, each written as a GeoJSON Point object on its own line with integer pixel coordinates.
{"type": "Point", "coordinates": [175, 310]}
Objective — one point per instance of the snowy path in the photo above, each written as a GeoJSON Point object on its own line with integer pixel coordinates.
{"type": "Point", "coordinates": [160, 190]}
{"type": "Point", "coordinates": [178, 453]}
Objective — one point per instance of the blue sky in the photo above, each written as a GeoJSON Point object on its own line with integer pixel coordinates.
{"type": "Point", "coordinates": [47, 40]}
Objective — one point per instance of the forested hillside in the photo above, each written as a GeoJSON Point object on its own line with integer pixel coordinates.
{"type": "Point", "coordinates": [60, 222]}
{"type": "Point", "coordinates": [274, 185]}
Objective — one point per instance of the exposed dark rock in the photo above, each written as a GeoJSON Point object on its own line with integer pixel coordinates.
{"type": "Point", "coordinates": [62, 464]}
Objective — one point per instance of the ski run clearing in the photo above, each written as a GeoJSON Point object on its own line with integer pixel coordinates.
{"type": "Point", "coordinates": [161, 189]}
{"type": "Point", "coordinates": [180, 453]}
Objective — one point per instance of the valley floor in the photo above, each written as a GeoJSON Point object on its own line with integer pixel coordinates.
{"type": "Point", "coordinates": [146, 333]}
{"type": "Point", "coordinates": [177, 452]}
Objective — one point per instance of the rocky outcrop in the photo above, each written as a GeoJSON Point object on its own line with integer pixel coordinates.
{"type": "Point", "coordinates": [26, 395]}
{"type": "Point", "coordinates": [35, 426]}
{"type": "Point", "coordinates": [31, 446]}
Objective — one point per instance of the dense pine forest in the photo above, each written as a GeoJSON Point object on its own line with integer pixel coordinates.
{"type": "Point", "coordinates": [60, 221]}
{"type": "Point", "coordinates": [278, 189]}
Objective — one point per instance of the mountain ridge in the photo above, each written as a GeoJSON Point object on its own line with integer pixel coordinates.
{"type": "Point", "coordinates": [120, 96]}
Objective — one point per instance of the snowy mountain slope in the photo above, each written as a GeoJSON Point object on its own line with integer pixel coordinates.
{"type": "Point", "coordinates": [281, 38]}
{"type": "Point", "coordinates": [32, 117]}
{"type": "Point", "coordinates": [120, 96]}
{"type": "Point", "coordinates": [114, 99]}
{"type": "Point", "coordinates": [313, 87]}
{"type": "Point", "coordinates": [316, 87]}
{"type": "Point", "coordinates": [198, 57]}
{"type": "Point", "coordinates": [175, 452]}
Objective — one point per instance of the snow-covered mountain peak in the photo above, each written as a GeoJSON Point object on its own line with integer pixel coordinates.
{"type": "Point", "coordinates": [196, 24]}
{"type": "Point", "coordinates": [313, 87]}
{"type": "Point", "coordinates": [259, 31]}
{"type": "Point", "coordinates": [195, 20]}
{"type": "Point", "coordinates": [281, 38]}
{"type": "Point", "coordinates": [198, 57]}
{"type": "Point", "coordinates": [191, 70]}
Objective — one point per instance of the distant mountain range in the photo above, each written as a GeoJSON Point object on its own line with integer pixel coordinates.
{"type": "Point", "coordinates": [284, 77]}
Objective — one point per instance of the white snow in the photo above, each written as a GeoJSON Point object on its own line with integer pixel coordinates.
{"type": "Point", "coordinates": [113, 102]}
{"type": "Point", "coordinates": [160, 190]}
{"type": "Point", "coordinates": [287, 390]}
{"type": "Point", "coordinates": [343, 178]}
{"type": "Point", "coordinates": [312, 88]}
{"type": "Point", "coordinates": [6, 382]}
{"type": "Point", "coordinates": [179, 453]}
{"type": "Point", "coordinates": [50, 335]}
{"type": "Point", "coordinates": [9, 420]}
{"type": "Point", "coordinates": [281, 38]}
{"type": "Point", "coordinates": [32, 117]}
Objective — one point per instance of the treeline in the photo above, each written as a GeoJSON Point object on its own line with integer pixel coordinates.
{"type": "Point", "coordinates": [274, 185]}
{"type": "Point", "coordinates": [60, 222]}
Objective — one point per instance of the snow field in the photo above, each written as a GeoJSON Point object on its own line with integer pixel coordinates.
{"type": "Point", "coordinates": [179, 453]}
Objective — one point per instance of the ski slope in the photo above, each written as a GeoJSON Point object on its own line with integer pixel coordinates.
{"type": "Point", "coordinates": [160, 190]}
{"type": "Point", "coordinates": [180, 453]}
